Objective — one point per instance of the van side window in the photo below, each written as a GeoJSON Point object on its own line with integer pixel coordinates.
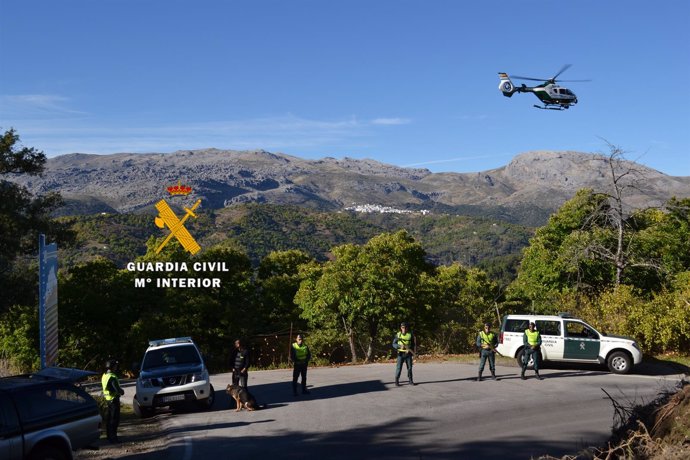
{"type": "Point", "coordinates": [549, 327]}
{"type": "Point", "coordinates": [577, 329]}
{"type": "Point", "coordinates": [516, 325]}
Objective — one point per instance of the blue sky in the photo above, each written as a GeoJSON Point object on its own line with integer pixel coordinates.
{"type": "Point", "coordinates": [410, 83]}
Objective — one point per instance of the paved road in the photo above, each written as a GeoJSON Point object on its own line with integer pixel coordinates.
{"type": "Point", "coordinates": [355, 412]}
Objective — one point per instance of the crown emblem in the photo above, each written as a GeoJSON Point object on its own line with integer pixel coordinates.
{"type": "Point", "coordinates": [179, 189]}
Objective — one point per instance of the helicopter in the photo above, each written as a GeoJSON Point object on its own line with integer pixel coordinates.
{"type": "Point", "coordinates": [553, 96]}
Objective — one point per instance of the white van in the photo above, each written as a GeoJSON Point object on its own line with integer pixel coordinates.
{"type": "Point", "coordinates": [569, 339]}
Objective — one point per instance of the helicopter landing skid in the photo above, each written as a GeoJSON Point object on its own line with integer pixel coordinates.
{"type": "Point", "coordinates": [550, 108]}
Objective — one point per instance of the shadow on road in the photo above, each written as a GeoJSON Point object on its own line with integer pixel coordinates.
{"type": "Point", "coordinates": [397, 439]}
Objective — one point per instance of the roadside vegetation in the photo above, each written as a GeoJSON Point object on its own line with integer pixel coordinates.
{"type": "Point", "coordinates": [627, 271]}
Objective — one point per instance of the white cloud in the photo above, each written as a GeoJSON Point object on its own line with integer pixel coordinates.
{"type": "Point", "coordinates": [289, 132]}
{"type": "Point", "coordinates": [391, 121]}
{"type": "Point", "coordinates": [451, 160]}
{"type": "Point", "coordinates": [35, 106]}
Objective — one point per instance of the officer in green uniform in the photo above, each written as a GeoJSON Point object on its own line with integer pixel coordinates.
{"type": "Point", "coordinates": [404, 344]}
{"type": "Point", "coordinates": [300, 356]}
{"type": "Point", "coordinates": [532, 341]}
{"type": "Point", "coordinates": [487, 342]}
{"type": "Point", "coordinates": [112, 392]}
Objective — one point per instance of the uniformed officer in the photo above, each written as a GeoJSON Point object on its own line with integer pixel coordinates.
{"type": "Point", "coordinates": [112, 392]}
{"type": "Point", "coordinates": [532, 342]}
{"type": "Point", "coordinates": [404, 344]}
{"type": "Point", "coordinates": [487, 342]}
{"type": "Point", "coordinates": [239, 360]}
{"type": "Point", "coordinates": [300, 356]}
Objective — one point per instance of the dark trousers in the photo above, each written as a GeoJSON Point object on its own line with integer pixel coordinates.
{"type": "Point", "coordinates": [485, 354]}
{"type": "Point", "coordinates": [112, 418]}
{"type": "Point", "coordinates": [535, 354]}
{"type": "Point", "coordinates": [407, 359]}
{"type": "Point", "coordinates": [299, 369]}
{"type": "Point", "coordinates": [240, 378]}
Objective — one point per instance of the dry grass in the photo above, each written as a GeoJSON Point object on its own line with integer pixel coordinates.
{"type": "Point", "coordinates": [667, 439]}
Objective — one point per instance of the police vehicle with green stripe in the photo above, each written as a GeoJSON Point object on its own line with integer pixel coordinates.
{"type": "Point", "coordinates": [568, 339]}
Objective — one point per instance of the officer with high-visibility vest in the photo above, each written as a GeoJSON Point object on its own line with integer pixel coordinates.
{"type": "Point", "coordinates": [112, 392]}
{"type": "Point", "coordinates": [404, 344]}
{"type": "Point", "coordinates": [300, 357]}
{"type": "Point", "coordinates": [487, 342]}
{"type": "Point", "coordinates": [532, 342]}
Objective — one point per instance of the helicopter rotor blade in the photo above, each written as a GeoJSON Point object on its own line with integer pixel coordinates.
{"type": "Point", "coordinates": [575, 80]}
{"type": "Point", "coordinates": [563, 69]}
{"type": "Point", "coordinates": [528, 78]}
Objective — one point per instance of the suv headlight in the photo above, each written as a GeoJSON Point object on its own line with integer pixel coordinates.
{"type": "Point", "coordinates": [634, 344]}
{"type": "Point", "coordinates": [146, 383]}
{"type": "Point", "coordinates": [199, 377]}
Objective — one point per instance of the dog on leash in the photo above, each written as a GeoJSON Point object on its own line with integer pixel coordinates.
{"type": "Point", "coordinates": [242, 397]}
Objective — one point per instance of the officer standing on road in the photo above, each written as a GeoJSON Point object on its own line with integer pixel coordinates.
{"type": "Point", "coordinates": [532, 341]}
{"type": "Point", "coordinates": [112, 392]}
{"type": "Point", "coordinates": [487, 343]}
{"type": "Point", "coordinates": [404, 344]}
{"type": "Point", "coordinates": [300, 356]}
{"type": "Point", "coordinates": [239, 360]}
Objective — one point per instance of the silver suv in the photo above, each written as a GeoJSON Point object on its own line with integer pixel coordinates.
{"type": "Point", "coordinates": [172, 373]}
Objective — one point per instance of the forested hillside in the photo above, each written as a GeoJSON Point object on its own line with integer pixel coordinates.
{"type": "Point", "coordinates": [259, 229]}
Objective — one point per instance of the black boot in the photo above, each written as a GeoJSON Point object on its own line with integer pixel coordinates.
{"type": "Point", "coordinates": [493, 375]}
{"type": "Point", "coordinates": [397, 382]}
{"type": "Point", "coordinates": [479, 377]}
{"type": "Point", "coordinates": [412, 382]}
{"type": "Point", "coordinates": [522, 375]}
{"type": "Point", "coordinates": [539, 377]}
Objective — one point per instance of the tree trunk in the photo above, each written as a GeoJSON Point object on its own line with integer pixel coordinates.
{"type": "Point", "coordinates": [349, 330]}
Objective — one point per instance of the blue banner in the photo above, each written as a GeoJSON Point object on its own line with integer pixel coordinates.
{"type": "Point", "coordinates": [47, 298]}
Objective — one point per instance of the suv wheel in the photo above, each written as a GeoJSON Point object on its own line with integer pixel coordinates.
{"type": "Point", "coordinates": [208, 402]}
{"type": "Point", "coordinates": [619, 362]}
{"type": "Point", "coordinates": [49, 452]}
{"type": "Point", "coordinates": [141, 411]}
{"type": "Point", "coordinates": [520, 356]}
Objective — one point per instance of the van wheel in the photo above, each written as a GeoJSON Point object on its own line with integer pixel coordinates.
{"type": "Point", "coordinates": [520, 356]}
{"type": "Point", "coordinates": [619, 362]}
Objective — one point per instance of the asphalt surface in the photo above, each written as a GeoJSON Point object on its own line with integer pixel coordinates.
{"type": "Point", "coordinates": [356, 412]}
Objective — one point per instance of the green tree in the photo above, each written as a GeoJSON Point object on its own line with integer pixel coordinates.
{"type": "Point", "coordinates": [22, 216]}
{"type": "Point", "coordinates": [556, 260]}
{"type": "Point", "coordinates": [367, 289]}
{"type": "Point", "coordinates": [278, 281]}
{"type": "Point", "coordinates": [463, 300]}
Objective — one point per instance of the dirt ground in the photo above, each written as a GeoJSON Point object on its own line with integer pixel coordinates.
{"type": "Point", "coordinates": [137, 437]}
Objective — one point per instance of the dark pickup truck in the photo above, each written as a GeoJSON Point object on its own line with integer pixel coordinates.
{"type": "Point", "coordinates": [46, 416]}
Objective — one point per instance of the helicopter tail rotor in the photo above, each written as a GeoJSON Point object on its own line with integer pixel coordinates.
{"type": "Point", "coordinates": [505, 85]}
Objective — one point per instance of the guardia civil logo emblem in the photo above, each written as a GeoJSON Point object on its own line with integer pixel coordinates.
{"type": "Point", "coordinates": [167, 218]}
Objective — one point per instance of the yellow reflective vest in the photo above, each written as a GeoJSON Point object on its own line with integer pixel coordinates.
{"type": "Point", "coordinates": [532, 337]}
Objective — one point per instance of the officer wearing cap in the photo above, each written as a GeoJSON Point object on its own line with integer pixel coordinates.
{"type": "Point", "coordinates": [532, 342]}
{"type": "Point", "coordinates": [487, 343]}
{"type": "Point", "coordinates": [404, 344]}
{"type": "Point", "coordinates": [112, 392]}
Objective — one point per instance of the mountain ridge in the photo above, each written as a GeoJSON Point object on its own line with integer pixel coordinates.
{"type": "Point", "coordinates": [536, 182]}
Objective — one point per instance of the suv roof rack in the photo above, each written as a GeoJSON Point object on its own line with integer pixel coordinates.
{"type": "Point", "coordinates": [159, 342]}
{"type": "Point", "coordinates": [565, 314]}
